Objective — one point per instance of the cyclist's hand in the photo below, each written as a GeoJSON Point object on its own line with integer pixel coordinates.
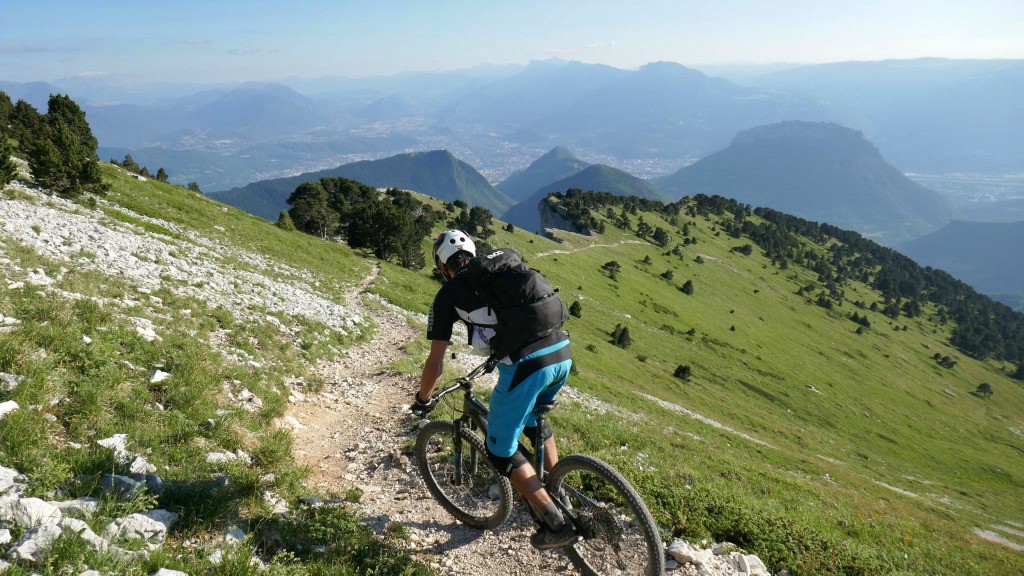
{"type": "Point", "coordinates": [421, 408]}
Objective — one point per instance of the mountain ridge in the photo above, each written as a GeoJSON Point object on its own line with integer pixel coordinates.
{"type": "Point", "coordinates": [820, 171]}
{"type": "Point", "coordinates": [437, 173]}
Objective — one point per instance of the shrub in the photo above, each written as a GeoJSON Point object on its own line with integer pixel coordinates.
{"type": "Point", "coordinates": [576, 309]}
{"type": "Point", "coordinates": [682, 372]}
{"type": "Point", "coordinates": [687, 288]}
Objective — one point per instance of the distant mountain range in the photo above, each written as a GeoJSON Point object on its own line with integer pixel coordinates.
{"type": "Point", "coordinates": [596, 177]}
{"type": "Point", "coordinates": [819, 171]}
{"type": "Point", "coordinates": [988, 256]}
{"type": "Point", "coordinates": [437, 173]}
{"type": "Point", "coordinates": [926, 115]}
{"type": "Point", "coordinates": [557, 164]}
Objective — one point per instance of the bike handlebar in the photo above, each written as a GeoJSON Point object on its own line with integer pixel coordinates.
{"type": "Point", "coordinates": [465, 381]}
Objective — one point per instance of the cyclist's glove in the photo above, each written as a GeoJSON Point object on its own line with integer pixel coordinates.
{"type": "Point", "coordinates": [421, 408]}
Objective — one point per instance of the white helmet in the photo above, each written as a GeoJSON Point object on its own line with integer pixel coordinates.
{"type": "Point", "coordinates": [450, 242]}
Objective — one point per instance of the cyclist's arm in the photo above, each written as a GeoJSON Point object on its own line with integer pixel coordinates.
{"type": "Point", "coordinates": [433, 368]}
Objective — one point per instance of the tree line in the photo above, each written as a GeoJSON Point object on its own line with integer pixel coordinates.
{"type": "Point", "coordinates": [984, 328]}
{"type": "Point", "coordinates": [59, 145]}
{"type": "Point", "coordinates": [392, 223]}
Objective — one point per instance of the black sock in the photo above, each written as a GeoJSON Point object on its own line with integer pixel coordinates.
{"type": "Point", "coordinates": [552, 516]}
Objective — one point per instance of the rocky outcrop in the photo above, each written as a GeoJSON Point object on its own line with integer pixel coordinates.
{"type": "Point", "coordinates": [551, 217]}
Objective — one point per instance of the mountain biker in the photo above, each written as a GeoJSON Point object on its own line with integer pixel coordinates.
{"type": "Point", "coordinates": [533, 373]}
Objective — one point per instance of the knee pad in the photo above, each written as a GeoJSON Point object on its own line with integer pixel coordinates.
{"type": "Point", "coordinates": [506, 464]}
{"type": "Point", "coordinates": [545, 432]}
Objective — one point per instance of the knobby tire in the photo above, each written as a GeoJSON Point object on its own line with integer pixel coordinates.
{"type": "Point", "coordinates": [472, 500]}
{"type": "Point", "coordinates": [618, 535]}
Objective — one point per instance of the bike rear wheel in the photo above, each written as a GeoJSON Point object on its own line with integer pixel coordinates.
{"type": "Point", "coordinates": [461, 477]}
{"type": "Point", "coordinates": [618, 536]}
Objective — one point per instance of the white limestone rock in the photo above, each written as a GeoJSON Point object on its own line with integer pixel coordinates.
{"type": "Point", "coordinates": [34, 543]}
{"type": "Point", "coordinates": [9, 382]}
{"type": "Point", "coordinates": [158, 376]}
{"type": "Point", "coordinates": [8, 407]}
{"type": "Point", "coordinates": [78, 508]}
{"type": "Point", "coordinates": [9, 481]}
{"type": "Point", "coordinates": [686, 553]}
{"type": "Point", "coordinates": [753, 565]}
{"type": "Point", "coordinates": [141, 466]}
{"type": "Point", "coordinates": [165, 517]}
{"type": "Point", "coordinates": [5, 536]}
{"type": "Point", "coordinates": [29, 512]}
{"type": "Point", "coordinates": [219, 457]}
{"type": "Point", "coordinates": [168, 572]}
{"type": "Point", "coordinates": [137, 526]}
{"type": "Point", "coordinates": [119, 444]}
{"type": "Point", "coordinates": [84, 532]}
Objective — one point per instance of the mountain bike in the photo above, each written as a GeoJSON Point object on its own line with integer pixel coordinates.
{"type": "Point", "coordinates": [618, 536]}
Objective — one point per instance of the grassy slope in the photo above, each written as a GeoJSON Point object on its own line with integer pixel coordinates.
{"type": "Point", "coordinates": [886, 411]}
{"type": "Point", "coordinates": [106, 390]}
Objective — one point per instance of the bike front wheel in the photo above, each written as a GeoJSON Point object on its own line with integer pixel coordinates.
{"type": "Point", "coordinates": [618, 535]}
{"type": "Point", "coordinates": [460, 476]}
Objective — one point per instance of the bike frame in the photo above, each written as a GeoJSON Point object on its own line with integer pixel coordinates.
{"type": "Point", "coordinates": [474, 415]}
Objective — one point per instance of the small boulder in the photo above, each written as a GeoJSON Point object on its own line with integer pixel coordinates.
{"type": "Point", "coordinates": [158, 375]}
{"type": "Point", "coordinates": [9, 382]}
{"type": "Point", "coordinates": [753, 565]}
{"type": "Point", "coordinates": [78, 508]}
{"type": "Point", "coordinates": [121, 485]}
{"type": "Point", "coordinates": [84, 532]}
{"type": "Point", "coordinates": [9, 481]}
{"type": "Point", "coordinates": [34, 543]}
{"type": "Point", "coordinates": [686, 553]}
{"type": "Point", "coordinates": [137, 526]}
{"type": "Point", "coordinates": [219, 457]}
{"type": "Point", "coordinates": [168, 572]}
{"type": "Point", "coordinates": [8, 407]}
{"type": "Point", "coordinates": [29, 512]}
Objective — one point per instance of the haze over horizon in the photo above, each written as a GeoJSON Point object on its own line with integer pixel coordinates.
{"type": "Point", "coordinates": [193, 41]}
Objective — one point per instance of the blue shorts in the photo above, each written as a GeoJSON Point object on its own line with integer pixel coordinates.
{"type": "Point", "coordinates": [535, 378]}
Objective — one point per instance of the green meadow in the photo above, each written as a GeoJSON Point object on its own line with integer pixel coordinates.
{"type": "Point", "coordinates": [822, 450]}
{"type": "Point", "coordinates": [846, 453]}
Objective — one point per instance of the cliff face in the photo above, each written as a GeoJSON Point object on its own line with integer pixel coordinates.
{"type": "Point", "coordinates": [551, 217]}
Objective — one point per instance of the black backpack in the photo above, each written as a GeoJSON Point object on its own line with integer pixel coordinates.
{"type": "Point", "coordinates": [526, 305]}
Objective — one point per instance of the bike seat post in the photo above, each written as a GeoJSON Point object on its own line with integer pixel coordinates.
{"type": "Point", "coordinates": [538, 448]}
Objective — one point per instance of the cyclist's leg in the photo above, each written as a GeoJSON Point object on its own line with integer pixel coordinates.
{"type": "Point", "coordinates": [539, 375]}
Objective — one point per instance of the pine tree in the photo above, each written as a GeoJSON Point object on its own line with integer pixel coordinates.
{"type": "Point", "coordinates": [27, 125]}
{"type": "Point", "coordinates": [687, 287]}
{"type": "Point", "coordinates": [161, 175]}
{"type": "Point", "coordinates": [145, 172]}
{"type": "Point", "coordinates": [576, 309]}
{"type": "Point", "coordinates": [682, 372]}
{"type": "Point", "coordinates": [661, 236]}
{"type": "Point", "coordinates": [1019, 374]}
{"type": "Point", "coordinates": [130, 164]}
{"type": "Point", "coordinates": [194, 187]}
{"type": "Point", "coordinates": [6, 109]}
{"type": "Point", "coordinates": [612, 267]}
{"type": "Point", "coordinates": [8, 170]}
{"type": "Point", "coordinates": [284, 221]}
{"type": "Point", "coordinates": [624, 340]}
{"type": "Point", "coordinates": [64, 158]}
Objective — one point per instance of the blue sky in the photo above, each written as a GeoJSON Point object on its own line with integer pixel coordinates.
{"type": "Point", "coordinates": [208, 41]}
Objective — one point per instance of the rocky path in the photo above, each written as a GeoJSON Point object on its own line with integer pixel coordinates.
{"type": "Point", "coordinates": [587, 247]}
{"type": "Point", "coordinates": [353, 435]}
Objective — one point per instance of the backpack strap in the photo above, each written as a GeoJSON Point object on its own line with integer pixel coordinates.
{"type": "Point", "coordinates": [531, 347]}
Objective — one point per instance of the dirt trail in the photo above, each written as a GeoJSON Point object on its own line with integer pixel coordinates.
{"type": "Point", "coordinates": [587, 247]}
{"type": "Point", "coordinates": [352, 436]}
